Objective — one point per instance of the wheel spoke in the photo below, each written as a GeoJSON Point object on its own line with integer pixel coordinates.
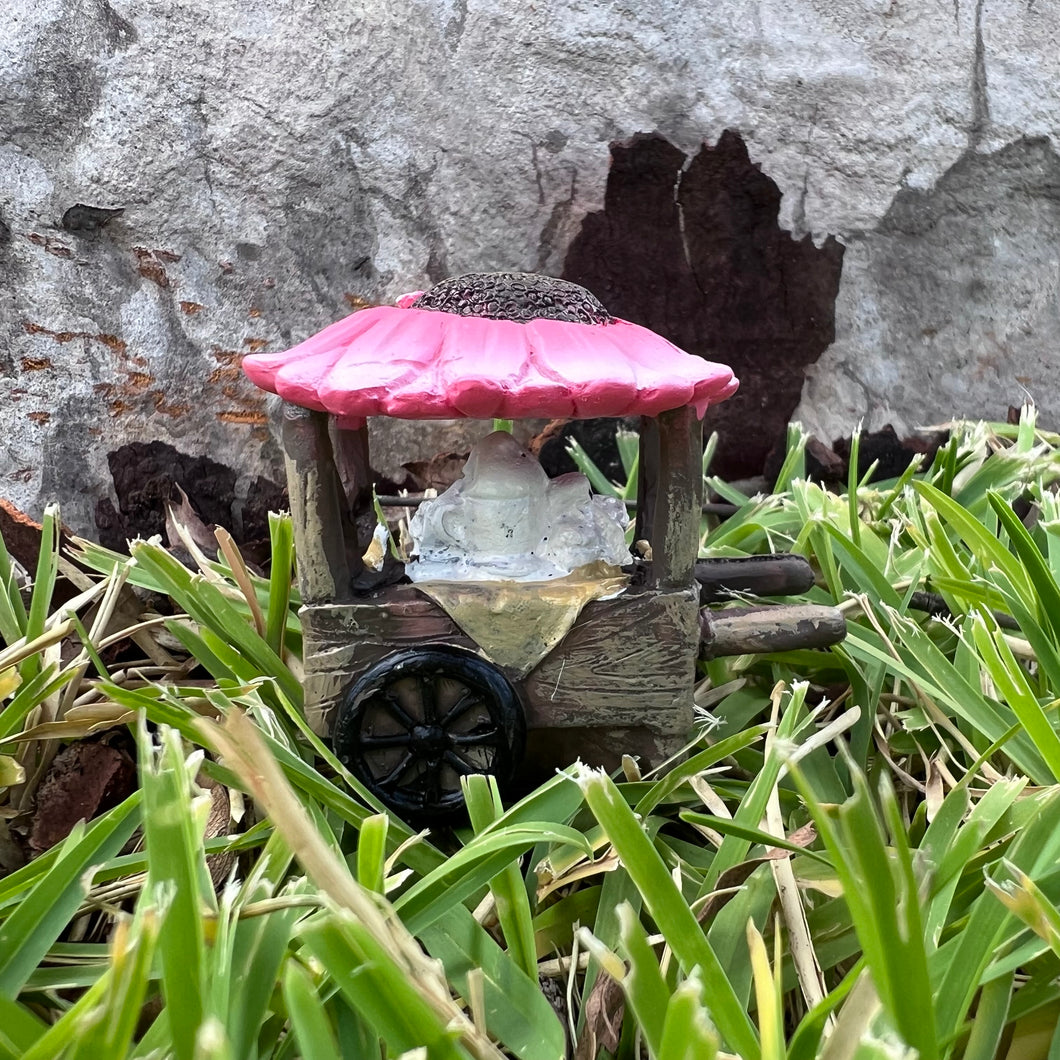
{"type": "Point", "coordinates": [475, 738]}
{"type": "Point", "coordinates": [429, 698]}
{"type": "Point", "coordinates": [467, 700]}
{"type": "Point", "coordinates": [396, 773]}
{"type": "Point", "coordinates": [432, 788]}
{"type": "Point", "coordinates": [461, 765]}
{"type": "Point", "coordinates": [397, 739]}
{"type": "Point", "coordinates": [389, 702]}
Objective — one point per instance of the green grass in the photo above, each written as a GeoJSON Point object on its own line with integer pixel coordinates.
{"type": "Point", "coordinates": [858, 858]}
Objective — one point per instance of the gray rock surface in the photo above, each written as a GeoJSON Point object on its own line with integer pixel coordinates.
{"type": "Point", "coordinates": [277, 163]}
{"type": "Point", "coordinates": [951, 305]}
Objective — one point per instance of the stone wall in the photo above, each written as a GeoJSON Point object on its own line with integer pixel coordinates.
{"type": "Point", "coordinates": [890, 173]}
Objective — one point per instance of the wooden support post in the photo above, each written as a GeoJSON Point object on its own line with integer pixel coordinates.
{"type": "Point", "coordinates": [647, 477]}
{"type": "Point", "coordinates": [350, 446]}
{"type": "Point", "coordinates": [675, 520]}
{"type": "Point", "coordinates": [317, 509]}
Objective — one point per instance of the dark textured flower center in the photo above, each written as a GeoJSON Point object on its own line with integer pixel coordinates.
{"type": "Point", "coordinates": [519, 296]}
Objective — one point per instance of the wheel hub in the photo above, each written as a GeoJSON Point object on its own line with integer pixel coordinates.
{"type": "Point", "coordinates": [428, 740]}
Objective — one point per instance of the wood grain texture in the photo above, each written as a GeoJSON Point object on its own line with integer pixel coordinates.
{"type": "Point", "coordinates": [774, 628]}
{"type": "Point", "coordinates": [627, 663]}
{"type": "Point", "coordinates": [341, 641]}
{"type": "Point", "coordinates": [675, 520]}
{"type": "Point", "coordinates": [352, 463]}
{"type": "Point", "coordinates": [647, 477]}
{"type": "Point", "coordinates": [318, 513]}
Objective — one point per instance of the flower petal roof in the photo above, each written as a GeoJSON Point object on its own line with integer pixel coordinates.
{"type": "Point", "coordinates": [433, 363]}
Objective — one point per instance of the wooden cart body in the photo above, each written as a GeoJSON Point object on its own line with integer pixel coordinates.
{"type": "Point", "coordinates": [620, 681]}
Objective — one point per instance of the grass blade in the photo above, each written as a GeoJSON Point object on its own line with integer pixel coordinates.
{"type": "Point", "coordinates": [175, 814]}
{"type": "Point", "coordinates": [1040, 575]}
{"type": "Point", "coordinates": [281, 538]}
{"type": "Point", "coordinates": [20, 1029]}
{"type": "Point", "coordinates": [472, 867]}
{"type": "Point", "coordinates": [371, 853]}
{"type": "Point", "coordinates": [647, 993]}
{"type": "Point", "coordinates": [113, 1024]}
{"type": "Point", "coordinates": [12, 609]}
{"type": "Point", "coordinates": [1011, 681]}
{"type": "Point", "coordinates": [309, 1016]}
{"type": "Point", "coordinates": [669, 910]}
{"type": "Point", "coordinates": [514, 914]}
{"type": "Point", "coordinates": [769, 996]}
{"type": "Point", "coordinates": [991, 1017]}
{"type": "Point", "coordinates": [516, 1012]}
{"type": "Point", "coordinates": [886, 912]}
{"type": "Point", "coordinates": [378, 988]}
{"type": "Point", "coordinates": [43, 585]}
{"type": "Point", "coordinates": [688, 1033]}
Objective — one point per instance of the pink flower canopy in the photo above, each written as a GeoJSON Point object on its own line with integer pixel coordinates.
{"type": "Point", "coordinates": [486, 345]}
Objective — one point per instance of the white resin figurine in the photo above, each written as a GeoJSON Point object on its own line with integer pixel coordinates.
{"type": "Point", "coordinates": [505, 520]}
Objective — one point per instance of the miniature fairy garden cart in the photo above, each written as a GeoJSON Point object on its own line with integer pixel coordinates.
{"type": "Point", "coordinates": [511, 661]}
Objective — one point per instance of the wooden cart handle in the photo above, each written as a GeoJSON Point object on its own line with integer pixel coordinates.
{"type": "Point", "coordinates": [784, 627]}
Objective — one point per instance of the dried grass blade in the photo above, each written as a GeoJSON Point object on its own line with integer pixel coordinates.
{"type": "Point", "coordinates": [238, 567]}
{"type": "Point", "coordinates": [366, 928]}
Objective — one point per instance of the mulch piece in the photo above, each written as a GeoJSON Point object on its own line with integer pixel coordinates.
{"type": "Point", "coordinates": [21, 534]}
{"type": "Point", "coordinates": [22, 538]}
{"type": "Point", "coordinates": [85, 779]}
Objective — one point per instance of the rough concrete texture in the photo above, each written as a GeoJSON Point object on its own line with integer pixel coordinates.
{"type": "Point", "coordinates": [957, 308]}
{"type": "Point", "coordinates": [277, 163]}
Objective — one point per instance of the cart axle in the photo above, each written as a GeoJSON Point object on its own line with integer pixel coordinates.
{"type": "Point", "coordinates": [782, 574]}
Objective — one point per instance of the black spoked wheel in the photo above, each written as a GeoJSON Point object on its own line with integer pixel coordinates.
{"type": "Point", "coordinates": [419, 720]}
